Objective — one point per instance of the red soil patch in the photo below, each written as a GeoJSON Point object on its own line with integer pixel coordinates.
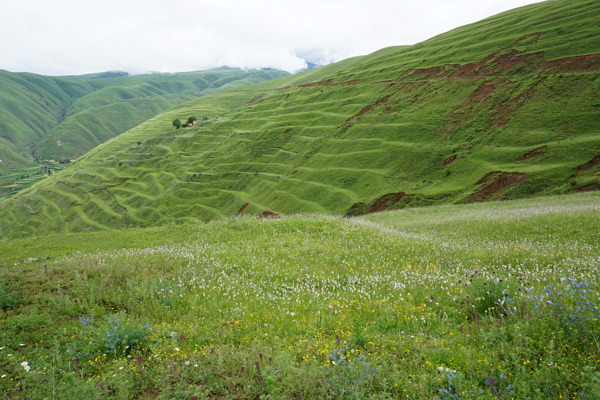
{"type": "Point", "coordinates": [590, 164]}
{"type": "Point", "coordinates": [469, 107]}
{"type": "Point", "coordinates": [530, 35]}
{"type": "Point", "coordinates": [287, 131]}
{"type": "Point", "coordinates": [450, 160]}
{"type": "Point", "coordinates": [348, 83]}
{"type": "Point", "coordinates": [411, 86]}
{"type": "Point", "coordinates": [590, 62]}
{"type": "Point", "coordinates": [366, 109]}
{"type": "Point", "coordinates": [269, 214]}
{"type": "Point", "coordinates": [388, 110]}
{"type": "Point", "coordinates": [588, 188]}
{"type": "Point", "coordinates": [243, 208]}
{"type": "Point", "coordinates": [431, 72]}
{"type": "Point", "coordinates": [381, 82]}
{"type": "Point", "coordinates": [319, 83]}
{"type": "Point", "coordinates": [537, 153]}
{"type": "Point", "coordinates": [496, 64]}
{"type": "Point", "coordinates": [255, 99]}
{"type": "Point", "coordinates": [509, 108]}
{"type": "Point", "coordinates": [383, 203]}
{"type": "Point", "coordinates": [496, 182]}
{"type": "Point", "coordinates": [448, 128]}
{"type": "Point", "coordinates": [508, 61]}
{"type": "Point", "coordinates": [483, 92]}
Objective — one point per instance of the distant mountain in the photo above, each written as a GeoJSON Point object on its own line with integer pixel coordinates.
{"type": "Point", "coordinates": [508, 107]}
{"type": "Point", "coordinates": [102, 75]}
{"type": "Point", "coordinates": [59, 118]}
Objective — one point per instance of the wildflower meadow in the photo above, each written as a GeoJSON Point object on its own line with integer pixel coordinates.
{"type": "Point", "coordinates": [481, 301]}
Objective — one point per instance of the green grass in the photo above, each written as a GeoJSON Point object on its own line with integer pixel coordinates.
{"type": "Point", "coordinates": [38, 112]}
{"type": "Point", "coordinates": [485, 301]}
{"type": "Point", "coordinates": [365, 134]}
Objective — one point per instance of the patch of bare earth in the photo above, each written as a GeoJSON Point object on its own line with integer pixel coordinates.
{"type": "Point", "coordinates": [319, 83]}
{"type": "Point", "coordinates": [383, 203]}
{"type": "Point", "coordinates": [509, 108]}
{"type": "Point", "coordinates": [243, 208]}
{"type": "Point", "coordinates": [588, 188]}
{"type": "Point", "coordinates": [595, 161]}
{"type": "Point", "coordinates": [269, 214]}
{"type": "Point", "coordinates": [255, 99]}
{"type": "Point", "coordinates": [586, 63]}
{"type": "Point", "coordinates": [366, 109]}
{"type": "Point", "coordinates": [496, 64]}
{"type": "Point", "coordinates": [496, 184]}
{"type": "Point", "coordinates": [348, 83]}
{"type": "Point", "coordinates": [450, 160]}
{"type": "Point", "coordinates": [536, 153]}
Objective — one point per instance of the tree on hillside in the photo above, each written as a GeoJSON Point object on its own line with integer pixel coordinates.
{"type": "Point", "coordinates": [177, 123]}
{"type": "Point", "coordinates": [191, 120]}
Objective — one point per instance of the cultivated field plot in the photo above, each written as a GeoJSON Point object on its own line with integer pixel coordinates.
{"type": "Point", "coordinates": [486, 301]}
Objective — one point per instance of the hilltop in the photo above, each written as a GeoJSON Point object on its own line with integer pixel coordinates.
{"type": "Point", "coordinates": [504, 108]}
{"type": "Point", "coordinates": [47, 121]}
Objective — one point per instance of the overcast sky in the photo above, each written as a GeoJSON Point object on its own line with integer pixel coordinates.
{"type": "Point", "coordinates": [66, 37]}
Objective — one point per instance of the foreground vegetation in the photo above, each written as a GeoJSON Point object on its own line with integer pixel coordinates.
{"type": "Point", "coordinates": [486, 301]}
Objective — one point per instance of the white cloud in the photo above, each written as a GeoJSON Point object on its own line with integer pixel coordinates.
{"type": "Point", "coordinates": [73, 36]}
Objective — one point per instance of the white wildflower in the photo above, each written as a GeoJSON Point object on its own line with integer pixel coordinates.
{"type": "Point", "coordinates": [26, 366]}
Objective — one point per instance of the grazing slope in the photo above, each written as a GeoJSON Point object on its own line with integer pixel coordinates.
{"type": "Point", "coordinates": [58, 118]}
{"type": "Point", "coordinates": [508, 107]}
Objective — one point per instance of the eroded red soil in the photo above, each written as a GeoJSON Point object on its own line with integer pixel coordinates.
{"type": "Point", "coordinates": [269, 214]}
{"type": "Point", "coordinates": [496, 182]}
{"type": "Point", "coordinates": [450, 160]}
{"type": "Point", "coordinates": [243, 208]}
{"type": "Point", "coordinates": [590, 164]}
{"type": "Point", "coordinates": [537, 153]}
{"type": "Point", "coordinates": [589, 62]}
{"type": "Point", "coordinates": [588, 188]}
{"type": "Point", "coordinates": [319, 83]}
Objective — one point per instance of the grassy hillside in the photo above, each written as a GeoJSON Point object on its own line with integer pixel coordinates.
{"type": "Point", "coordinates": [505, 108]}
{"type": "Point", "coordinates": [479, 301]}
{"type": "Point", "coordinates": [46, 118]}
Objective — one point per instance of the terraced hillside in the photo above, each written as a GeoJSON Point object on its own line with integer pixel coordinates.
{"type": "Point", "coordinates": [59, 118]}
{"type": "Point", "coordinates": [505, 108]}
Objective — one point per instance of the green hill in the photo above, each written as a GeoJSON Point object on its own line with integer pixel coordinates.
{"type": "Point", "coordinates": [60, 118]}
{"type": "Point", "coordinates": [480, 301]}
{"type": "Point", "coordinates": [504, 108]}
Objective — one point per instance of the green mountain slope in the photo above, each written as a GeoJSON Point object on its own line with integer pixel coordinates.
{"type": "Point", "coordinates": [508, 107]}
{"type": "Point", "coordinates": [47, 118]}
